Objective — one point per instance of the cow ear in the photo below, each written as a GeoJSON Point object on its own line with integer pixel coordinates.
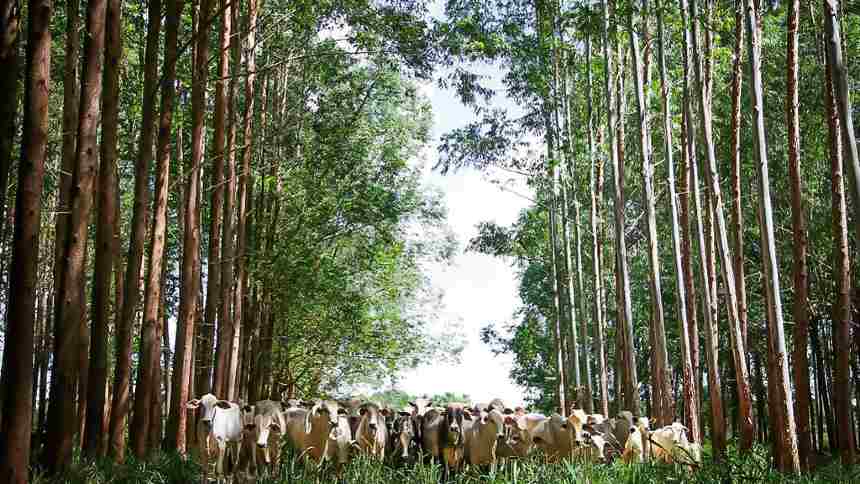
{"type": "Point", "coordinates": [248, 409]}
{"type": "Point", "coordinates": [385, 412]}
{"type": "Point", "coordinates": [308, 403]}
{"type": "Point", "coordinates": [412, 404]}
{"type": "Point", "coordinates": [508, 411]}
{"type": "Point", "coordinates": [362, 411]}
{"type": "Point", "coordinates": [404, 414]}
{"type": "Point", "coordinates": [223, 404]}
{"type": "Point", "coordinates": [284, 406]}
{"type": "Point", "coordinates": [192, 404]}
{"type": "Point", "coordinates": [509, 420]}
{"type": "Point", "coordinates": [341, 411]}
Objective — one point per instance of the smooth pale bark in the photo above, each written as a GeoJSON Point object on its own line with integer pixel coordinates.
{"type": "Point", "coordinates": [841, 316]}
{"type": "Point", "coordinates": [661, 405]}
{"type": "Point", "coordinates": [213, 283]}
{"type": "Point", "coordinates": [691, 407]}
{"type": "Point", "coordinates": [630, 399]}
{"type": "Point", "coordinates": [131, 298]}
{"type": "Point", "coordinates": [105, 229]}
{"type": "Point", "coordinates": [183, 354]}
{"type": "Point", "coordinates": [787, 460]}
{"type": "Point", "coordinates": [62, 419]}
{"type": "Point", "coordinates": [225, 315]}
{"type": "Point", "coordinates": [747, 428]}
{"type": "Point", "coordinates": [576, 378]}
{"type": "Point", "coordinates": [800, 269]}
{"type": "Point", "coordinates": [150, 347]}
{"type": "Point", "coordinates": [16, 427]}
{"type": "Point", "coordinates": [595, 177]}
{"type": "Point", "coordinates": [718, 428]}
{"type": "Point", "coordinates": [842, 97]}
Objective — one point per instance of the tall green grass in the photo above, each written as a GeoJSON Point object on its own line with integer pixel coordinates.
{"type": "Point", "coordinates": [753, 467]}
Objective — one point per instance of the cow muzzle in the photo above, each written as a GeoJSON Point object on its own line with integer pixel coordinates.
{"type": "Point", "coordinates": [262, 445]}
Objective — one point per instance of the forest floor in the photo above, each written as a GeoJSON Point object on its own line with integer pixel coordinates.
{"type": "Point", "coordinates": [750, 468]}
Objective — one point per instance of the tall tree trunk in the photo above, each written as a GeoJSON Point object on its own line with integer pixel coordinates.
{"type": "Point", "coordinates": [798, 224]}
{"type": "Point", "coordinates": [183, 354]}
{"type": "Point", "coordinates": [213, 285]}
{"type": "Point", "coordinates": [788, 461]}
{"type": "Point", "coordinates": [661, 402]}
{"type": "Point", "coordinates": [842, 274]}
{"type": "Point", "coordinates": [595, 177]}
{"type": "Point", "coordinates": [691, 406]}
{"type": "Point", "coordinates": [736, 208]}
{"type": "Point", "coordinates": [625, 311]}
{"type": "Point", "coordinates": [245, 182]}
{"type": "Point", "coordinates": [18, 365]}
{"type": "Point", "coordinates": [747, 428]}
{"type": "Point", "coordinates": [10, 29]}
{"type": "Point", "coordinates": [71, 105]}
{"type": "Point", "coordinates": [131, 298]}
{"type": "Point", "coordinates": [70, 307]}
{"type": "Point", "coordinates": [150, 346]}
{"type": "Point", "coordinates": [718, 426]}
{"type": "Point", "coordinates": [105, 244]}
{"type": "Point", "coordinates": [842, 98]}
{"type": "Point", "coordinates": [225, 316]}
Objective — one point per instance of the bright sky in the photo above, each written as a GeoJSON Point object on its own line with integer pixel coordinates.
{"type": "Point", "coordinates": [478, 289]}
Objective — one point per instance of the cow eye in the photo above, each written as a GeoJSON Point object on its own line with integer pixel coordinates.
{"type": "Point", "coordinates": [275, 428]}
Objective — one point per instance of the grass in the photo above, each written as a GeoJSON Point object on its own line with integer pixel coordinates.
{"type": "Point", "coordinates": [169, 468]}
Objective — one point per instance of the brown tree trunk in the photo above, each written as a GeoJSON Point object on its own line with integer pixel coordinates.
{"type": "Point", "coordinates": [213, 285]}
{"type": "Point", "coordinates": [245, 181]}
{"type": "Point", "coordinates": [70, 307]}
{"type": "Point", "coordinates": [182, 358]}
{"type": "Point", "coordinates": [131, 298]}
{"type": "Point", "coordinates": [10, 29]}
{"type": "Point", "coordinates": [105, 245]}
{"type": "Point", "coordinates": [842, 275]}
{"type": "Point", "coordinates": [798, 224]}
{"type": "Point", "coordinates": [17, 408]}
{"type": "Point", "coordinates": [150, 346]}
{"type": "Point", "coordinates": [225, 316]}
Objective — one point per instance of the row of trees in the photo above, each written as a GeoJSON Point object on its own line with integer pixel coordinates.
{"type": "Point", "coordinates": [278, 240]}
{"type": "Point", "coordinates": [691, 154]}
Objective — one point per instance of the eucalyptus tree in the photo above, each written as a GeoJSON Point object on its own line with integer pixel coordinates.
{"type": "Point", "coordinates": [152, 327]}
{"type": "Point", "coordinates": [745, 420]}
{"type": "Point", "coordinates": [134, 261]}
{"type": "Point", "coordinates": [841, 312]}
{"type": "Point", "coordinates": [691, 398]}
{"type": "Point", "coordinates": [17, 405]}
{"type": "Point", "coordinates": [69, 309]}
{"type": "Point", "coordinates": [782, 402]}
{"type": "Point", "coordinates": [799, 248]}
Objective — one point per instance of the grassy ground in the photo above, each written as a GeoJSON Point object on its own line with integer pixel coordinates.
{"type": "Point", "coordinates": [754, 467]}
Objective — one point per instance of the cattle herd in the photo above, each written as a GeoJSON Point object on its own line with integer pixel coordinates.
{"type": "Point", "coordinates": [456, 435]}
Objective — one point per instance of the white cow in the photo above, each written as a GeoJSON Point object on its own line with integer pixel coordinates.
{"type": "Point", "coordinates": [224, 421]}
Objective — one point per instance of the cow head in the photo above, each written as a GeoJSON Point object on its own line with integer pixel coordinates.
{"type": "Point", "coordinates": [209, 402]}
{"type": "Point", "coordinates": [494, 419]}
{"type": "Point", "coordinates": [577, 419]}
{"type": "Point", "coordinates": [248, 417]}
{"type": "Point", "coordinates": [322, 412]}
{"type": "Point", "coordinates": [403, 433]}
{"type": "Point", "coordinates": [516, 434]}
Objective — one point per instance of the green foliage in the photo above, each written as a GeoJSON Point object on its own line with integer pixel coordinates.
{"type": "Point", "coordinates": [752, 467]}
